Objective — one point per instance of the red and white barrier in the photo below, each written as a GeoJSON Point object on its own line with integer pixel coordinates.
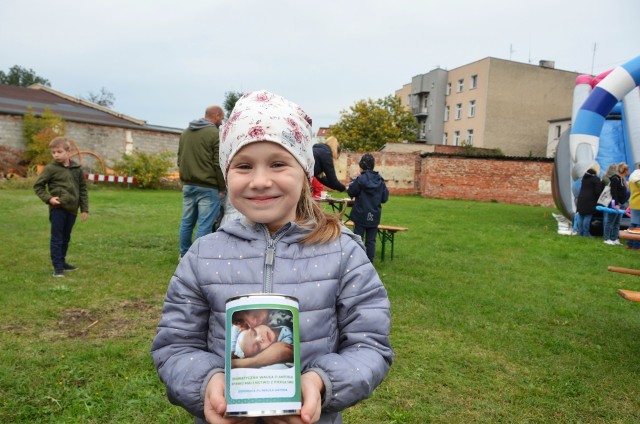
{"type": "Point", "coordinates": [111, 178]}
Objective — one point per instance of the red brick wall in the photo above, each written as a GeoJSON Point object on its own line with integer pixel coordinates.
{"type": "Point", "coordinates": [516, 181]}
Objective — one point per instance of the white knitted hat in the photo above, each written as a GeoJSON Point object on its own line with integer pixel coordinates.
{"type": "Point", "coordinates": [264, 116]}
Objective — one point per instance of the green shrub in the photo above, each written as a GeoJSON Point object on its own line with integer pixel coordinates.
{"type": "Point", "coordinates": [148, 168]}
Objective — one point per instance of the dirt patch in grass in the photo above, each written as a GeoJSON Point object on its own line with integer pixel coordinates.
{"type": "Point", "coordinates": [112, 321]}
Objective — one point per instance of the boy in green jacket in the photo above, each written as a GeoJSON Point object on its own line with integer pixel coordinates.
{"type": "Point", "coordinates": [62, 186]}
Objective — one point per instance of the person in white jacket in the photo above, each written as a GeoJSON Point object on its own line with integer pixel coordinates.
{"type": "Point", "coordinates": [285, 244]}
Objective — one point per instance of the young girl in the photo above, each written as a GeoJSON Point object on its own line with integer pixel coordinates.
{"type": "Point", "coordinates": [284, 244]}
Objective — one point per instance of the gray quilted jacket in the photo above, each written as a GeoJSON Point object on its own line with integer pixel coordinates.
{"type": "Point", "coordinates": [344, 311]}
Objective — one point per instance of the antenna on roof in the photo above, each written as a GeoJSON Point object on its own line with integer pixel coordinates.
{"type": "Point", "coordinates": [511, 51]}
{"type": "Point", "coordinates": [593, 58]}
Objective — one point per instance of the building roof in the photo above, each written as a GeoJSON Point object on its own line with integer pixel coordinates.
{"type": "Point", "coordinates": [322, 131]}
{"type": "Point", "coordinates": [16, 100]}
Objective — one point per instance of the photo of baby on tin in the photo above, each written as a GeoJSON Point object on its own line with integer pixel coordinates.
{"type": "Point", "coordinates": [262, 338]}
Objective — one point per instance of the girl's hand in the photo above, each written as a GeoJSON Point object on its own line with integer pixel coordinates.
{"type": "Point", "coordinates": [84, 216]}
{"type": "Point", "coordinates": [312, 387]}
{"type": "Point", "coordinates": [215, 404]}
{"type": "Point", "coordinates": [54, 201]}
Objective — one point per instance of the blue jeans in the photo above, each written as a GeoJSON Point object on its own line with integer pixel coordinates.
{"type": "Point", "coordinates": [584, 223]}
{"type": "Point", "coordinates": [611, 225]}
{"type": "Point", "coordinates": [62, 222]}
{"type": "Point", "coordinates": [201, 206]}
{"type": "Point", "coordinates": [635, 222]}
{"type": "Point", "coordinates": [368, 236]}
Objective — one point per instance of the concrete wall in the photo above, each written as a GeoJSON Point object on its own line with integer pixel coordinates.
{"type": "Point", "coordinates": [11, 132]}
{"type": "Point", "coordinates": [107, 142]}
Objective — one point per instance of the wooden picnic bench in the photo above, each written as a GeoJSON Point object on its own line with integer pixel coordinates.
{"type": "Point", "coordinates": [386, 233]}
{"type": "Point", "coordinates": [631, 295]}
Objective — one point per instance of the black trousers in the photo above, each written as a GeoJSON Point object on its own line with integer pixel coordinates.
{"type": "Point", "coordinates": [62, 222]}
{"type": "Point", "coordinates": [369, 238]}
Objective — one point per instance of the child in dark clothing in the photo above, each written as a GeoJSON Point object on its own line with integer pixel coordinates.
{"type": "Point", "coordinates": [62, 186]}
{"type": "Point", "coordinates": [370, 193]}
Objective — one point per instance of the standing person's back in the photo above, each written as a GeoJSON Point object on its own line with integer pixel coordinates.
{"type": "Point", "coordinates": [590, 190]}
{"type": "Point", "coordinates": [370, 193]}
{"type": "Point", "coordinates": [201, 176]}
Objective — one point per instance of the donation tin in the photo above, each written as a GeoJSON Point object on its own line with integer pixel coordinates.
{"type": "Point", "coordinates": [262, 356]}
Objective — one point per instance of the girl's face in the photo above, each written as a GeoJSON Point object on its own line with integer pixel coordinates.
{"type": "Point", "coordinates": [265, 183]}
{"type": "Point", "coordinates": [255, 340]}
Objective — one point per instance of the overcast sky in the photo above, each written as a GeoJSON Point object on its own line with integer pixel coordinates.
{"type": "Point", "coordinates": [166, 61]}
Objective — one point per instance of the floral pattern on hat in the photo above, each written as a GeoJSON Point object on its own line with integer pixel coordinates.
{"type": "Point", "coordinates": [264, 116]}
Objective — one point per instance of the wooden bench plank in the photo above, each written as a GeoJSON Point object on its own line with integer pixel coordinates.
{"type": "Point", "coordinates": [386, 233]}
{"type": "Point", "coordinates": [624, 270]}
{"type": "Point", "coordinates": [631, 295]}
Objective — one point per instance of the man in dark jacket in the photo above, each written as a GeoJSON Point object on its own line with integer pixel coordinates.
{"type": "Point", "coordinates": [203, 183]}
{"type": "Point", "coordinates": [590, 190]}
{"type": "Point", "coordinates": [370, 193]}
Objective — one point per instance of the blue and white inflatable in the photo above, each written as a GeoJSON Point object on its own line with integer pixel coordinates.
{"type": "Point", "coordinates": [605, 128]}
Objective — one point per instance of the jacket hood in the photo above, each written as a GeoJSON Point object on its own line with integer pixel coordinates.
{"type": "Point", "coordinates": [293, 232]}
{"type": "Point", "coordinates": [371, 179]}
{"type": "Point", "coordinates": [635, 176]}
{"type": "Point", "coordinates": [72, 164]}
{"type": "Point", "coordinates": [199, 124]}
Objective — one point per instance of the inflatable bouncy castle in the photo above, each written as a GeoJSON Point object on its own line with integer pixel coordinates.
{"type": "Point", "coordinates": [605, 128]}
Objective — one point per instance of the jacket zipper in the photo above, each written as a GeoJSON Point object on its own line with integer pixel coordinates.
{"type": "Point", "coordinates": [270, 254]}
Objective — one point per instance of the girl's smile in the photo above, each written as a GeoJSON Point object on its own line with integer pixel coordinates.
{"type": "Point", "coordinates": [265, 183]}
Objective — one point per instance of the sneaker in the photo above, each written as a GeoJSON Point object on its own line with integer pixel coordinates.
{"type": "Point", "coordinates": [69, 267]}
{"type": "Point", "coordinates": [58, 273]}
{"type": "Point", "coordinates": [617, 243]}
{"type": "Point", "coordinates": [609, 242]}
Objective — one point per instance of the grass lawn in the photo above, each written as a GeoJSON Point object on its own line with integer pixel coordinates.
{"type": "Point", "coordinates": [496, 318]}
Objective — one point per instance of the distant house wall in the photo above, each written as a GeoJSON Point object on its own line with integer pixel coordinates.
{"type": "Point", "coordinates": [11, 132]}
{"type": "Point", "coordinates": [106, 141]}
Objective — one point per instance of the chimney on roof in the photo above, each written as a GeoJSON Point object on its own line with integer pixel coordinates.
{"type": "Point", "coordinates": [550, 64]}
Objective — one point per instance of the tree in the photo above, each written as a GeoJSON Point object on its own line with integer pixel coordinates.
{"type": "Point", "coordinates": [38, 131]}
{"type": "Point", "coordinates": [22, 77]}
{"type": "Point", "coordinates": [369, 124]}
{"type": "Point", "coordinates": [104, 98]}
{"type": "Point", "coordinates": [230, 99]}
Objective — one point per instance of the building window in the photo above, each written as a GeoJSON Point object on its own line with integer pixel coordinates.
{"type": "Point", "coordinates": [448, 88]}
{"type": "Point", "coordinates": [458, 111]}
{"type": "Point", "coordinates": [444, 138]}
{"type": "Point", "coordinates": [446, 113]}
{"type": "Point", "coordinates": [460, 85]}
{"type": "Point", "coordinates": [558, 131]}
{"type": "Point", "coordinates": [472, 108]}
{"type": "Point", "coordinates": [456, 138]}
{"type": "Point", "coordinates": [474, 81]}
{"type": "Point", "coordinates": [469, 137]}
{"type": "Point", "coordinates": [426, 102]}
